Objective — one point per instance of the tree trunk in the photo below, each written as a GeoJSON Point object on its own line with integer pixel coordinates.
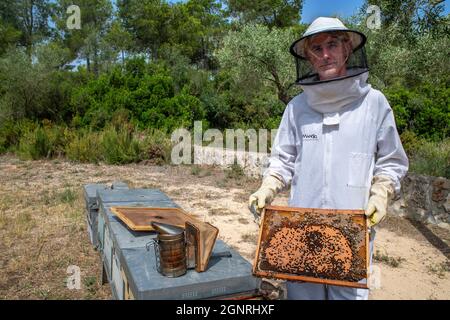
{"type": "Point", "coordinates": [283, 96]}
{"type": "Point", "coordinates": [155, 53]}
{"type": "Point", "coordinates": [282, 91]}
{"type": "Point", "coordinates": [88, 63]}
{"type": "Point", "coordinates": [29, 41]}
{"type": "Point", "coordinates": [95, 60]}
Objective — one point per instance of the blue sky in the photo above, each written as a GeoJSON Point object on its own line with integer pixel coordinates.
{"type": "Point", "coordinates": [320, 8]}
{"type": "Point", "coordinates": [344, 8]}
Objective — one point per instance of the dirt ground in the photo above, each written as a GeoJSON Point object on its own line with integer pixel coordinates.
{"type": "Point", "coordinates": [43, 228]}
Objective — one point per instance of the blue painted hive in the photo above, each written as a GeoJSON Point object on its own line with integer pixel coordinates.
{"type": "Point", "coordinates": [131, 269]}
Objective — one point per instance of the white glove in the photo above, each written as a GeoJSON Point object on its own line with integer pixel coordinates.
{"type": "Point", "coordinates": [270, 186]}
{"type": "Point", "coordinates": [381, 191]}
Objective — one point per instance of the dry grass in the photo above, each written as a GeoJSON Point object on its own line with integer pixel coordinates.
{"type": "Point", "coordinates": [43, 227]}
{"type": "Point", "coordinates": [250, 237]}
{"type": "Point", "coordinates": [383, 257]}
{"type": "Point", "coordinates": [243, 221]}
{"type": "Point", "coordinates": [42, 232]}
{"type": "Point", "coordinates": [241, 197]}
{"type": "Point", "coordinates": [440, 269]}
{"type": "Point", "coordinates": [221, 212]}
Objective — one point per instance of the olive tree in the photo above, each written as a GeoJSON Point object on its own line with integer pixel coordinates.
{"type": "Point", "coordinates": [259, 56]}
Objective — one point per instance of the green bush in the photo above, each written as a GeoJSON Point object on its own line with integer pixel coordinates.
{"type": "Point", "coordinates": [119, 146]}
{"type": "Point", "coordinates": [45, 141]}
{"type": "Point", "coordinates": [431, 158]}
{"type": "Point", "coordinates": [156, 146]}
{"type": "Point", "coordinates": [12, 131]}
{"type": "Point", "coordinates": [84, 146]}
{"type": "Point", "coordinates": [411, 142]}
{"type": "Point", "coordinates": [424, 110]}
{"type": "Point", "coordinates": [143, 92]}
{"type": "Point", "coordinates": [235, 171]}
{"type": "Point", "coordinates": [119, 143]}
{"type": "Point", "coordinates": [427, 157]}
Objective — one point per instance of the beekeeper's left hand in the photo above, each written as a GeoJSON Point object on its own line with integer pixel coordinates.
{"type": "Point", "coordinates": [380, 193]}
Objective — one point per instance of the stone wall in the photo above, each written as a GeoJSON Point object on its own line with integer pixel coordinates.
{"type": "Point", "coordinates": [253, 163]}
{"type": "Point", "coordinates": [423, 198]}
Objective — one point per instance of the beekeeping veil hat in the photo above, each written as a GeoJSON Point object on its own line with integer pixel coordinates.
{"type": "Point", "coordinates": [356, 62]}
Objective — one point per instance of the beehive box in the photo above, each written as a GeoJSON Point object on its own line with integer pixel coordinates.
{"type": "Point", "coordinates": [90, 196]}
{"type": "Point", "coordinates": [313, 245]}
{"type": "Point", "coordinates": [131, 269]}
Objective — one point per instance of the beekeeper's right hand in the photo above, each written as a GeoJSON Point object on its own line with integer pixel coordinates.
{"type": "Point", "coordinates": [270, 186]}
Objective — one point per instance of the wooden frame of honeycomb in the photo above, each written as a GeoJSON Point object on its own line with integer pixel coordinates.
{"type": "Point", "coordinates": [313, 245]}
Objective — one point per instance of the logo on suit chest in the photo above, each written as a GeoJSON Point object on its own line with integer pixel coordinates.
{"type": "Point", "coordinates": [310, 137]}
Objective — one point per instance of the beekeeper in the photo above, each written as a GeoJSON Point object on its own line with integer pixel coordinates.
{"type": "Point", "coordinates": [337, 144]}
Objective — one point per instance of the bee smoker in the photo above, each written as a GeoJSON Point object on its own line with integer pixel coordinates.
{"type": "Point", "coordinates": [170, 250]}
{"type": "Point", "coordinates": [178, 249]}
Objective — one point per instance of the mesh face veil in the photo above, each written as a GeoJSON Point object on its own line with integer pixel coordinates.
{"type": "Point", "coordinates": [328, 51]}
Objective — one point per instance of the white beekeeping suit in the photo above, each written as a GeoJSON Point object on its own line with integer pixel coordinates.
{"type": "Point", "coordinates": [337, 146]}
{"type": "Point", "coordinates": [330, 158]}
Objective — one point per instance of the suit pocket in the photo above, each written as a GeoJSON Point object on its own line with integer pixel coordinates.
{"type": "Point", "coordinates": [359, 168]}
